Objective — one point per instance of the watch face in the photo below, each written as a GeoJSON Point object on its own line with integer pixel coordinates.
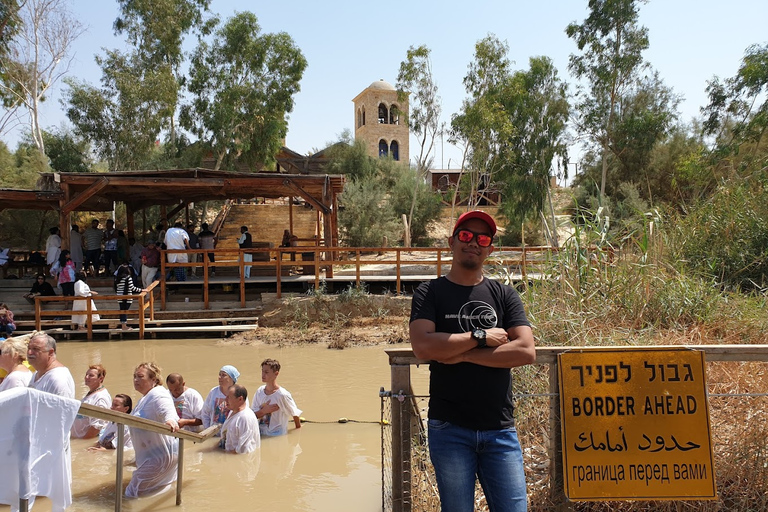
{"type": "Point", "coordinates": [478, 334]}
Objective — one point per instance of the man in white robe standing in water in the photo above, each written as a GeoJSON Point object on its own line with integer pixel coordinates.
{"type": "Point", "coordinates": [50, 375]}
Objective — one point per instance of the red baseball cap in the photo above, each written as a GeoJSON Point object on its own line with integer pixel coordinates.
{"type": "Point", "coordinates": [476, 214]}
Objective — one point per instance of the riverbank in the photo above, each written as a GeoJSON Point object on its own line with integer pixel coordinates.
{"type": "Point", "coordinates": [352, 318]}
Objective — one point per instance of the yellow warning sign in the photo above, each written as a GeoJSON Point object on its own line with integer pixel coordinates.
{"type": "Point", "coordinates": [635, 424]}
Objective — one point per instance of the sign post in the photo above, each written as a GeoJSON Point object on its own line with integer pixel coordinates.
{"type": "Point", "coordinates": [635, 425]}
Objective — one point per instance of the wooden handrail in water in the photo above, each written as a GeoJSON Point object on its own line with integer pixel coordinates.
{"type": "Point", "coordinates": [121, 418]}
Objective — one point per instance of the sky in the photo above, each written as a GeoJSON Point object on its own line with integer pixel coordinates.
{"type": "Point", "coordinates": [350, 44]}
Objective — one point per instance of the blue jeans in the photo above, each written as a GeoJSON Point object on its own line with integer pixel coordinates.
{"type": "Point", "coordinates": [493, 456]}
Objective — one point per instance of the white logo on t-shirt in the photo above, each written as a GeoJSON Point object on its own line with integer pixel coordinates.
{"type": "Point", "coordinates": [477, 314]}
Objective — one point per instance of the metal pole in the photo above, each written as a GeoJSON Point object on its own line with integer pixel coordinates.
{"type": "Point", "coordinates": [180, 472]}
{"type": "Point", "coordinates": [119, 469]}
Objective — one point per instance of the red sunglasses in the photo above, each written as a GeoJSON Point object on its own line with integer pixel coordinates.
{"type": "Point", "coordinates": [466, 236]}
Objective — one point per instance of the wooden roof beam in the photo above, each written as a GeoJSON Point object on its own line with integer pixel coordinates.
{"type": "Point", "coordinates": [307, 197]}
{"type": "Point", "coordinates": [85, 195]}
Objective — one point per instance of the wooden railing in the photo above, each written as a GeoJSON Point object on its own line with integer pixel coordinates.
{"type": "Point", "coordinates": [145, 299]}
{"type": "Point", "coordinates": [528, 259]}
{"type": "Point", "coordinates": [401, 360]}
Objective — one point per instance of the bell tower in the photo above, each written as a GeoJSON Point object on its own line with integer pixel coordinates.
{"type": "Point", "coordinates": [380, 121]}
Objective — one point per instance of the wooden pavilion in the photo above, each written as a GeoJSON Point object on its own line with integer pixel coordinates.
{"type": "Point", "coordinates": [174, 189]}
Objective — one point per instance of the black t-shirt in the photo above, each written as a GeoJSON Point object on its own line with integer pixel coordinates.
{"type": "Point", "coordinates": [467, 394]}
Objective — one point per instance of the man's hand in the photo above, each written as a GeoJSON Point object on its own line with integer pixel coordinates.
{"type": "Point", "coordinates": [268, 408]}
{"type": "Point", "coordinates": [496, 337]}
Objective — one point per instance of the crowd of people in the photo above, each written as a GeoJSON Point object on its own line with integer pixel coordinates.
{"type": "Point", "coordinates": [240, 425]}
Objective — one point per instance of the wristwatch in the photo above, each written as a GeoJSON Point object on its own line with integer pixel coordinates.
{"type": "Point", "coordinates": [479, 336]}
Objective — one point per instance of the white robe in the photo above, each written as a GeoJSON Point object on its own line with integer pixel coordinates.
{"type": "Point", "coordinates": [108, 436]}
{"type": "Point", "coordinates": [57, 381]}
{"type": "Point", "coordinates": [240, 433]}
{"type": "Point", "coordinates": [16, 379]}
{"type": "Point", "coordinates": [276, 423]}
{"type": "Point", "coordinates": [156, 454]}
{"type": "Point", "coordinates": [215, 408]}
{"type": "Point", "coordinates": [34, 442]}
{"type": "Point", "coordinates": [100, 398]}
{"type": "Point", "coordinates": [82, 290]}
{"type": "Point", "coordinates": [52, 249]}
{"type": "Point", "coordinates": [189, 405]}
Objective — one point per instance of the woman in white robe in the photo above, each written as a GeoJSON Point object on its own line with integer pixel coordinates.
{"type": "Point", "coordinates": [13, 352]}
{"type": "Point", "coordinates": [156, 454]}
{"type": "Point", "coordinates": [86, 427]}
{"type": "Point", "coordinates": [82, 290]}
{"type": "Point", "coordinates": [53, 247]}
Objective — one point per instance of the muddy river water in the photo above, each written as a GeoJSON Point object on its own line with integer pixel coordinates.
{"type": "Point", "coordinates": [324, 466]}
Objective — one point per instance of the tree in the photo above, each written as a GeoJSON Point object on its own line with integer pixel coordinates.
{"type": "Point", "coordinates": [738, 107]}
{"type": "Point", "coordinates": [38, 58]}
{"type": "Point", "coordinates": [124, 118]}
{"type": "Point", "coordinates": [612, 44]}
{"type": "Point", "coordinates": [482, 126]}
{"type": "Point", "coordinates": [156, 30]}
{"type": "Point", "coordinates": [9, 23]}
{"type": "Point", "coordinates": [514, 125]}
{"type": "Point", "coordinates": [415, 82]}
{"type": "Point", "coordinates": [243, 85]}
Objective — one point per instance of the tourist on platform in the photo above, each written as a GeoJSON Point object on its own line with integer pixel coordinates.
{"type": "Point", "coordinates": [13, 352]}
{"type": "Point", "coordinates": [39, 287]}
{"type": "Point", "coordinates": [176, 238]}
{"type": "Point", "coordinates": [161, 231]}
{"type": "Point", "coordinates": [215, 408]}
{"type": "Point", "coordinates": [5, 256]}
{"type": "Point", "coordinates": [92, 238]}
{"type": "Point", "coordinates": [7, 325]}
{"type": "Point", "coordinates": [208, 241]}
{"type": "Point", "coordinates": [110, 247]}
{"type": "Point", "coordinates": [188, 402]}
{"type": "Point", "coordinates": [83, 290]}
{"type": "Point", "coordinates": [123, 248]}
{"type": "Point", "coordinates": [86, 427]}
{"type": "Point", "coordinates": [194, 243]}
{"type": "Point", "coordinates": [65, 272]}
{"type": "Point", "coordinates": [108, 435]}
{"type": "Point", "coordinates": [246, 242]}
{"type": "Point", "coordinates": [240, 433]}
{"type": "Point", "coordinates": [76, 247]}
{"type": "Point", "coordinates": [150, 262]}
{"type": "Point", "coordinates": [53, 246]}
{"type": "Point", "coordinates": [134, 253]}
{"type": "Point", "coordinates": [124, 286]}
{"type": "Point", "coordinates": [473, 330]}
{"type": "Point", "coordinates": [273, 405]}
{"type": "Point", "coordinates": [50, 375]}
{"type": "Point", "coordinates": [156, 454]}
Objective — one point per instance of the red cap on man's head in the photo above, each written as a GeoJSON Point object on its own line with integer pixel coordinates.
{"type": "Point", "coordinates": [476, 214]}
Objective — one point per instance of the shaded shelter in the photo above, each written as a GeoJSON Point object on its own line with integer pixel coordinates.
{"type": "Point", "coordinates": [68, 192]}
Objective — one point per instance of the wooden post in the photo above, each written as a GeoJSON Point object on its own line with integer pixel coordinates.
{"type": "Point", "coordinates": [401, 438]}
{"type": "Point", "coordinates": [37, 313]}
{"type": "Point", "coordinates": [141, 315]}
{"type": "Point", "coordinates": [241, 263]}
{"type": "Point", "coordinates": [357, 267]}
{"type": "Point", "coordinates": [555, 449]}
{"type": "Point", "coordinates": [119, 469]}
{"type": "Point", "coordinates": [162, 279]}
{"type": "Point", "coordinates": [398, 271]}
{"type": "Point", "coordinates": [89, 317]}
{"type": "Point", "coordinates": [206, 281]}
{"type": "Point", "coordinates": [279, 272]}
{"type": "Point", "coordinates": [130, 226]}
